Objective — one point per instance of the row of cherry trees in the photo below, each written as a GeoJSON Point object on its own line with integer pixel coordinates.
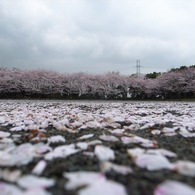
{"type": "Point", "coordinates": [15, 83]}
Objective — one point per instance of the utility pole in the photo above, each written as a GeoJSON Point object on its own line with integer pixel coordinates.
{"type": "Point", "coordinates": [138, 68]}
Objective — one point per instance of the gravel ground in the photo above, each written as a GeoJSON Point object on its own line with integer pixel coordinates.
{"type": "Point", "coordinates": [167, 125]}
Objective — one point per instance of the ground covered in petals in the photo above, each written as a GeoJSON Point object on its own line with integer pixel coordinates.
{"type": "Point", "coordinates": [97, 147]}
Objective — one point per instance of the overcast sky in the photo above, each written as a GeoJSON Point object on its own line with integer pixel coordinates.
{"type": "Point", "coordinates": [97, 36]}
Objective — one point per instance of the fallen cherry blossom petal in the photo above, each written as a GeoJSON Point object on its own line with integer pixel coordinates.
{"type": "Point", "coordinates": [104, 153]}
{"type": "Point", "coordinates": [93, 124]}
{"type": "Point", "coordinates": [9, 189]}
{"type": "Point", "coordinates": [82, 145]}
{"type": "Point", "coordinates": [168, 130]}
{"type": "Point", "coordinates": [6, 140]}
{"type": "Point", "coordinates": [156, 132]}
{"type": "Point", "coordinates": [153, 162]}
{"type": "Point", "coordinates": [104, 187]}
{"type": "Point", "coordinates": [82, 178]}
{"type": "Point", "coordinates": [36, 191]}
{"type": "Point", "coordinates": [133, 127]}
{"type": "Point", "coordinates": [39, 168]}
{"type": "Point", "coordinates": [4, 134]}
{"type": "Point", "coordinates": [117, 131]}
{"type": "Point", "coordinates": [110, 138]}
{"type": "Point", "coordinates": [94, 142]}
{"type": "Point", "coordinates": [185, 168]}
{"type": "Point", "coordinates": [108, 166]}
{"type": "Point", "coordinates": [56, 139]}
{"type": "Point", "coordinates": [2, 120]}
{"type": "Point", "coordinates": [86, 136]}
{"type": "Point", "coordinates": [10, 176]}
{"type": "Point", "coordinates": [32, 181]}
{"type": "Point", "coordinates": [170, 187]}
{"type": "Point", "coordinates": [170, 134]}
{"type": "Point", "coordinates": [20, 128]}
{"type": "Point", "coordinates": [135, 152]}
{"type": "Point", "coordinates": [137, 140]}
{"type": "Point", "coordinates": [61, 152]}
{"type": "Point", "coordinates": [16, 157]}
{"type": "Point", "coordinates": [40, 149]}
{"type": "Point", "coordinates": [162, 151]}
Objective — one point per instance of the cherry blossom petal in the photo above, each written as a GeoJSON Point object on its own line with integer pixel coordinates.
{"type": "Point", "coordinates": [117, 131]}
{"type": "Point", "coordinates": [110, 138]}
{"type": "Point", "coordinates": [94, 142]}
{"type": "Point", "coordinates": [62, 152]}
{"type": "Point", "coordinates": [82, 178]}
{"type": "Point", "coordinates": [170, 187]}
{"type": "Point", "coordinates": [104, 187]}
{"type": "Point", "coordinates": [156, 132]}
{"type": "Point", "coordinates": [32, 181]}
{"type": "Point", "coordinates": [162, 151]}
{"type": "Point", "coordinates": [108, 166]}
{"type": "Point", "coordinates": [185, 168]}
{"type": "Point", "coordinates": [104, 153]}
{"type": "Point", "coordinates": [9, 189]}
{"type": "Point", "coordinates": [135, 152]}
{"type": "Point", "coordinates": [36, 191]}
{"type": "Point", "coordinates": [82, 145]}
{"type": "Point", "coordinates": [56, 139]}
{"type": "Point", "coordinates": [39, 168]}
{"type": "Point", "coordinates": [10, 176]}
{"type": "Point", "coordinates": [4, 134]}
{"type": "Point", "coordinates": [153, 162]}
{"type": "Point", "coordinates": [86, 136]}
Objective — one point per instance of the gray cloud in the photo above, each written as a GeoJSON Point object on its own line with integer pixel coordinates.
{"type": "Point", "coordinates": [96, 36]}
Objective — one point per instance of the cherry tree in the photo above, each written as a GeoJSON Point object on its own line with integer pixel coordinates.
{"type": "Point", "coordinates": [179, 83]}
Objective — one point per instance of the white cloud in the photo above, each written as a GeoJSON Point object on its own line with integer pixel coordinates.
{"type": "Point", "coordinates": [97, 36]}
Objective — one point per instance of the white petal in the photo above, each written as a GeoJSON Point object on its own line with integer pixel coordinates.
{"type": "Point", "coordinates": [56, 139]}
{"type": "Point", "coordinates": [82, 178]}
{"type": "Point", "coordinates": [28, 122]}
{"type": "Point", "coordinates": [134, 127]}
{"type": "Point", "coordinates": [185, 168]}
{"type": "Point", "coordinates": [104, 188]}
{"type": "Point", "coordinates": [94, 142]}
{"type": "Point", "coordinates": [168, 130]}
{"type": "Point", "coordinates": [173, 188]}
{"type": "Point", "coordinates": [153, 162]}
{"type": "Point", "coordinates": [135, 152]}
{"type": "Point", "coordinates": [110, 138]}
{"type": "Point", "coordinates": [32, 181]}
{"type": "Point", "coordinates": [62, 152]}
{"type": "Point", "coordinates": [6, 140]}
{"type": "Point", "coordinates": [108, 166]}
{"type": "Point", "coordinates": [86, 136]}
{"type": "Point", "coordinates": [10, 176]}
{"type": "Point", "coordinates": [126, 140]}
{"type": "Point", "coordinates": [117, 131]}
{"type": "Point", "coordinates": [156, 132]}
{"type": "Point", "coordinates": [82, 145]}
{"type": "Point", "coordinates": [41, 148]}
{"type": "Point", "coordinates": [8, 189]}
{"type": "Point", "coordinates": [36, 191]}
{"type": "Point", "coordinates": [93, 124]}
{"type": "Point", "coordinates": [162, 151]}
{"type": "Point", "coordinates": [39, 168]}
{"type": "Point", "coordinates": [2, 120]}
{"type": "Point", "coordinates": [4, 134]}
{"type": "Point", "coordinates": [20, 155]}
{"type": "Point", "coordinates": [104, 153]}
{"type": "Point", "coordinates": [20, 128]}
